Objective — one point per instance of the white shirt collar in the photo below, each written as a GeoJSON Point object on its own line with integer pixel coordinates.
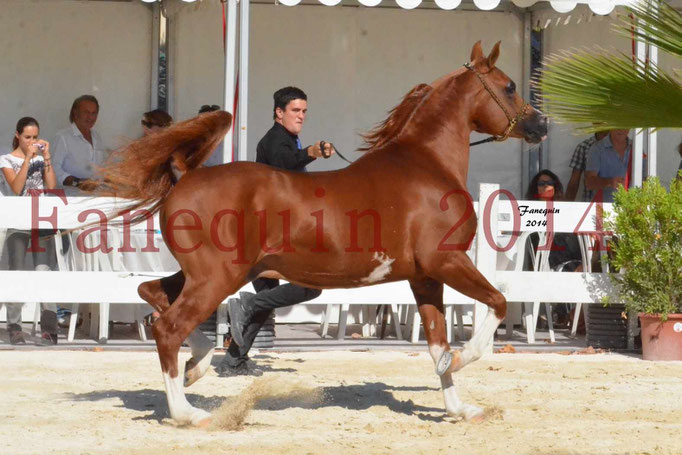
{"type": "Point", "coordinates": [76, 131]}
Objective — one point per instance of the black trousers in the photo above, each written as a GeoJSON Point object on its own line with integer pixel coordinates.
{"type": "Point", "coordinates": [270, 295]}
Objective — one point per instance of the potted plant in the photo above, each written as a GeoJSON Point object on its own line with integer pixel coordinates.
{"type": "Point", "coordinates": [647, 252]}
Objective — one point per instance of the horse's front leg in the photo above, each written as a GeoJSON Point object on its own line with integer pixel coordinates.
{"type": "Point", "coordinates": [428, 294]}
{"type": "Point", "coordinates": [160, 294]}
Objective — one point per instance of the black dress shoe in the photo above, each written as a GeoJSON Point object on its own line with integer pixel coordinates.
{"type": "Point", "coordinates": [16, 337]}
{"type": "Point", "coordinates": [235, 311]}
{"type": "Point", "coordinates": [243, 369]}
{"type": "Point", "coordinates": [47, 339]}
{"type": "Point", "coordinates": [238, 311]}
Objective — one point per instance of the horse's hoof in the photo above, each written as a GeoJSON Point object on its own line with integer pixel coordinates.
{"type": "Point", "coordinates": [456, 364]}
{"type": "Point", "coordinates": [477, 418]}
{"type": "Point", "coordinates": [196, 370]}
{"type": "Point", "coordinates": [469, 413]}
{"type": "Point", "coordinates": [444, 362]}
{"type": "Point", "coordinates": [205, 422]}
{"type": "Point", "coordinates": [192, 373]}
{"type": "Point", "coordinates": [200, 418]}
{"type": "Point", "coordinates": [449, 362]}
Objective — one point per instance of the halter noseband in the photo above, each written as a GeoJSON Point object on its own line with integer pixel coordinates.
{"type": "Point", "coordinates": [512, 120]}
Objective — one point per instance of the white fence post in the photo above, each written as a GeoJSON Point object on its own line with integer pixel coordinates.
{"type": "Point", "coordinates": [486, 256]}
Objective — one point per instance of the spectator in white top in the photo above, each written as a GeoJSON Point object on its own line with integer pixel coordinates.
{"type": "Point", "coordinates": [78, 149]}
{"type": "Point", "coordinates": [27, 170]}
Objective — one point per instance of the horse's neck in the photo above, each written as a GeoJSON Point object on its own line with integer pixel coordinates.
{"type": "Point", "coordinates": [442, 137]}
{"type": "Point", "coordinates": [451, 152]}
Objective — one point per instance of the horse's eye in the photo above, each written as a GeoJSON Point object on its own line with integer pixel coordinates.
{"type": "Point", "coordinates": [510, 88]}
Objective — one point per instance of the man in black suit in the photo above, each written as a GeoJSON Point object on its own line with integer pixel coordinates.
{"type": "Point", "coordinates": [281, 148]}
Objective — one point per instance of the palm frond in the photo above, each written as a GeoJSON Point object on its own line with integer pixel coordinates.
{"type": "Point", "coordinates": [608, 91]}
{"type": "Point", "coordinates": [658, 23]}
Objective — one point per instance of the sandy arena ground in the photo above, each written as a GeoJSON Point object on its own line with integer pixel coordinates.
{"type": "Point", "coordinates": [84, 402]}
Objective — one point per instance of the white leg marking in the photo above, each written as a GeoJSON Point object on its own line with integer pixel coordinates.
{"type": "Point", "coordinates": [381, 271]}
{"type": "Point", "coordinates": [445, 360]}
{"type": "Point", "coordinates": [474, 348]}
{"type": "Point", "coordinates": [202, 353]}
{"type": "Point", "coordinates": [180, 409]}
{"type": "Point", "coordinates": [436, 351]}
{"type": "Point", "coordinates": [453, 405]}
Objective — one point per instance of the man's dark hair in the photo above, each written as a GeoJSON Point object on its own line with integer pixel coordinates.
{"type": "Point", "coordinates": [78, 101]}
{"type": "Point", "coordinates": [285, 95]}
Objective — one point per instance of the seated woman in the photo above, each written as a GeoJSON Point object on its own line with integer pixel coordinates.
{"type": "Point", "coordinates": [565, 252]}
{"type": "Point", "coordinates": [28, 169]}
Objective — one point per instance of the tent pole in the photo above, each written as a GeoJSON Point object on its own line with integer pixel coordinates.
{"type": "Point", "coordinates": [244, 26]}
{"type": "Point", "coordinates": [525, 148]}
{"type": "Point", "coordinates": [638, 146]}
{"type": "Point", "coordinates": [156, 30]}
{"type": "Point", "coordinates": [230, 72]}
{"type": "Point", "coordinates": [652, 137]}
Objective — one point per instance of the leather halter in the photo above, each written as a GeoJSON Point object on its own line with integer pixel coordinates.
{"type": "Point", "coordinates": [512, 120]}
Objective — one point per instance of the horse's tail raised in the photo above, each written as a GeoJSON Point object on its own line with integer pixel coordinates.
{"type": "Point", "coordinates": [143, 171]}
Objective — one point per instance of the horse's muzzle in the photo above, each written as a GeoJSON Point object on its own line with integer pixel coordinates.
{"type": "Point", "coordinates": [535, 128]}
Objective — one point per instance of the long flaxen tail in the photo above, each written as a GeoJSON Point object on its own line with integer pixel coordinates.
{"type": "Point", "coordinates": [143, 171]}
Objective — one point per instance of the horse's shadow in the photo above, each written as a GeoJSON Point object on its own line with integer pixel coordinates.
{"type": "Point", "coordinates": [357, 397]}
{"type": "Point", "coordinates": [144, 400]}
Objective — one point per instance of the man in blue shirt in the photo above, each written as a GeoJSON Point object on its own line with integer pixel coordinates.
{"type": "Point", "coordinates": [607, 164]}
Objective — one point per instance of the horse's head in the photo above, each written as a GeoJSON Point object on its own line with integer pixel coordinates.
{"type": "Point", "coordinates": [500, 111]}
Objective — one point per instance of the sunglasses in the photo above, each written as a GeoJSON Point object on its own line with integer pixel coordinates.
{"type": "Point", "coordinates": [147, 124]}
{"type": "Point", "coordinates": [209, 108]}
{"type": "Point", "coordinates": [546, 183]}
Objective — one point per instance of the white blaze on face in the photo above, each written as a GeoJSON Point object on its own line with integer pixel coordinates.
{"type": "Point", "coordinates": [381, 271]}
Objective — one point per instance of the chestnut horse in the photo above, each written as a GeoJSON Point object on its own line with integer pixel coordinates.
{"type": "Point", "coordinates": [389, 216]}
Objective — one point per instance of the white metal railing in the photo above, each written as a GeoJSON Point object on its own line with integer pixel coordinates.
{"type": "Point", "coordinates": [498, 221]}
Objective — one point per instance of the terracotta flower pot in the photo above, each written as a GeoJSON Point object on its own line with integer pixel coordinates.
{"type": "Point", "coordinates": [661, 340]}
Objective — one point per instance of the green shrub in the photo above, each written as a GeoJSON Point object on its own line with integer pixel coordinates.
{"type": "Point", "coordinates": [648, 247]}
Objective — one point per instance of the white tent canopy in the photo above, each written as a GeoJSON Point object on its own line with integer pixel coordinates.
{"type": "Point", "coordinates": [561, 6]}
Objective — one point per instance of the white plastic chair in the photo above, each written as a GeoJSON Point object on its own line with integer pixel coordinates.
{"type": "Point", "coordinates": [414, 322]}
{"type": "Point", "coordinates": [79, 261]}
{"type": "Point", "coordinates": [112, 262]}
{"type": "Point", "coordinates": [368, 317]}
{"type": "Point", "coordinates": [540, 263]}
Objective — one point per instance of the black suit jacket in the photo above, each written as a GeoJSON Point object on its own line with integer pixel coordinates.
{"type": "Point", "coordinates": [279, 148]}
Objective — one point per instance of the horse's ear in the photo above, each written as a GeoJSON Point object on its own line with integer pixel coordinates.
{"type": "Point", "coordinates": [476, 52]}
{"type": "Point", "coordinates": [492, 58]}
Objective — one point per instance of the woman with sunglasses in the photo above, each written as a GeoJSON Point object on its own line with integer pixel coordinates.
{"type": "Point", "coordinates": [28, 170]}
{"type": "Point", "coordinates": [545, 186]}
{"type": "Point", "coordinates": [565, 255]}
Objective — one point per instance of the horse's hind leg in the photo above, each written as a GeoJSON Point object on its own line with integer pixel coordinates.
{"type": "Point", "coordinates": [429, 296]}
{"type": "Point", "coordinates": [160, 294]}
{"type": "Point", "coordinates": [460, 274]}
{"type": "Point", "coordinates": [196, 302]}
